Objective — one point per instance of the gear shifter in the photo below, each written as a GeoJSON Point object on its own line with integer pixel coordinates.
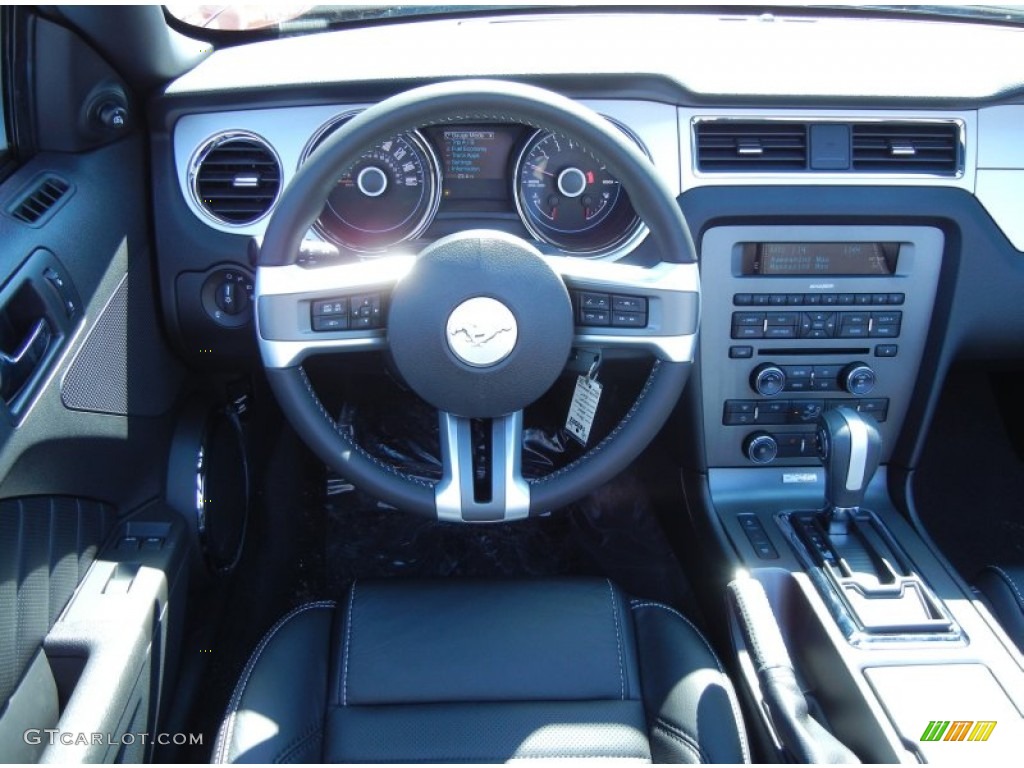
{"type": "Point", "coordinates": [850, 448]}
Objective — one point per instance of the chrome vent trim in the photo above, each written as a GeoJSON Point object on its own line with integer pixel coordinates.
{"type": "Point", "coordinates": [235, 178]}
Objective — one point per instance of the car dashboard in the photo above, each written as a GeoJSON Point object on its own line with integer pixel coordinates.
{"type": "Point", "coordinates": [851, 187]}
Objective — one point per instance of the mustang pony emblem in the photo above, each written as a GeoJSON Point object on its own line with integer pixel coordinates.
{"type": "Point", "coordinates": [478, 336]}
{"type": "Point", "coordinates": [482, 331]}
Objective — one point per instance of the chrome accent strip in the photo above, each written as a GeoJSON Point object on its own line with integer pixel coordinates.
{"type": "Point", "coordinates": [692, 176]}
{"type": "Point", "coordinates": [858, 453]}
{"type": "Point", "coordinates": [453, 495]}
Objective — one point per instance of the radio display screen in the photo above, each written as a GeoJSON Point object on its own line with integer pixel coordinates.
{"type": "Point", "coordinates": [814, 259]}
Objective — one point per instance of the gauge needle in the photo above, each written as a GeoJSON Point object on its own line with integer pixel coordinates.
{"type": "Point", "coordinates": [541, 170]}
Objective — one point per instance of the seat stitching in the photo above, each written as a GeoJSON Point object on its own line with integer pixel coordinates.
{"type": "Point", "coordinates": [1009, 583]}
{"type": "Point", "coordinates": [683, 738]}
{"type": "Point", "coordinates": [638, 604]}
{"type": "Point", "coordinates": [224, 741]}
{"type": "Point", "coordinates": [296, 744]}
{"type": "Point", "coordinates": [348, 644]}
{"type": "Point", "coordinates": [733, 704]}
{"type": "Point", "coordinates": [618, 640]}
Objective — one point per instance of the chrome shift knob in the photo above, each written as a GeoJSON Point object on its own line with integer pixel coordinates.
{"type": "Point", "coordinates": [850, 448]}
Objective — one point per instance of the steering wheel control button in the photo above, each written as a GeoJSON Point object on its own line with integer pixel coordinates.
{"type": "Point", "coordinates": [590, 301]}
{"type": "Point", "coordinates": [481, 326]}
{"type": "Point", "coordinates": [330, 323]}
{"type": "Point", "coordinates": [482, 332]}
{"type": "Point", "coordinates": [594, 317]}
{"type": "Point", "coordinates": [626, 311]}
{"type": "Point", "coordinates": [360, 312]}
{"type": "Point", "coordinates": [629, 320]}
{"type": "Point", "coordinates": [330, 307]}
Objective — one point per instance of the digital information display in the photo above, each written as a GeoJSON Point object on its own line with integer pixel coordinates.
{"type": "Point", "coordinates": [475, 161]}
{"type": "Point", "coordinates": [813, 259]}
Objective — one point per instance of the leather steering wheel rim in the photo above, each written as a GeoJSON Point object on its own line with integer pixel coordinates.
{"type": "Point", "coordinates": [472, 101]}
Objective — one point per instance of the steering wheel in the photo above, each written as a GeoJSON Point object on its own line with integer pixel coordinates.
{"type": "Point", "coordinates": [480, 324]}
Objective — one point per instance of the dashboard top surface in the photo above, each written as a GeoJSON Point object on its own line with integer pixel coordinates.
{"type": "Point", "coordinates": [709, 56]}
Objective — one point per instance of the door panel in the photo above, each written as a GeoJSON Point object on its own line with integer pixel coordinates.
{"type": "Point", "coordinates": [87, 395]}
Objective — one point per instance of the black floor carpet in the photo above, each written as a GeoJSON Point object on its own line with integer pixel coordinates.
{"type": "Point", "coordinates": [970, 484]}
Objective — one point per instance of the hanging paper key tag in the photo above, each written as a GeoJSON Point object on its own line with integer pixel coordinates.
{"type": "Point", "coordinates": [583, 408]}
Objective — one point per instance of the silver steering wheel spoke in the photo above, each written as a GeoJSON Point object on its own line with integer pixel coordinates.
{"type": "Point", "coordinates": [506, 495]}
{"type": "Point", "coordinates": [669, 310]}
{"type": "Point", "coordinates": [305, 311]}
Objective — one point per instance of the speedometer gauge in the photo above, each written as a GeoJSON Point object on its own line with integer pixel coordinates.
{"type": "Point", "coordinates": [388, 196]}
{"type": "Point", "coordinates": [567, 197]}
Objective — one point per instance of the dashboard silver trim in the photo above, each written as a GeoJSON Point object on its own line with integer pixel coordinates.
{"type": "Point", "coordinates": [288, 131]}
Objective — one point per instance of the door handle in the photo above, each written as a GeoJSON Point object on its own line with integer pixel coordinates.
{"type": "Point", "coordinates": [16, 368]}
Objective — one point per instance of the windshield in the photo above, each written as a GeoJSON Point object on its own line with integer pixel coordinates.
{"type": "Point", "coordinates": [300, 17]}
{"type": "Point", "coordinates": [294, 18]}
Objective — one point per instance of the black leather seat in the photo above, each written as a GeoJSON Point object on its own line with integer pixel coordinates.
{"type": "Point", "coordinates": [1003, 589]}
{"type": "Point", "coordinates": [470, 671]}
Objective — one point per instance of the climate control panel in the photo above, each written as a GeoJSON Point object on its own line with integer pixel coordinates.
{"type": "Point", "coordinates": [771, 379]}
{"type": "Point", "coordinates": [801, 319]}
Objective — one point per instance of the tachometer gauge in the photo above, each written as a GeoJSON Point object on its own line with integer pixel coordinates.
{"type": "Point", "coordinates": [388, 196]}
{"type": "Point", "coordinates": [568, 198]}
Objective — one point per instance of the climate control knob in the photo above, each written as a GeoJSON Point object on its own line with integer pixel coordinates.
{"type": "Point", "coordinates": [858, 379]}
{"type": "Point", "coordinates": [761, 448]}
{"type": "Point", "coordinates": [768, 380]}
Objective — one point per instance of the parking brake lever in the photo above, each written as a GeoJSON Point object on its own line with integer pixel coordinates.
{"type": "Point", "coordinates": [801, 735]}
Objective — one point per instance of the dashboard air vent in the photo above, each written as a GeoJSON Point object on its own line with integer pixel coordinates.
{"type": "Point", "coordinates": [932, 148]}
{"type": "Point", "coordinates": [236, 178]}
{"type": "Point", "coordinates": [727, 145]}
{"type": "Point", "coordinates": [40, 200]}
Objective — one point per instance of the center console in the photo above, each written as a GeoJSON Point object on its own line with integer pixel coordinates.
{"type": "Point", "coordinates": [855, 639]}
{"type": "Point", "coordinates": [800, 319]}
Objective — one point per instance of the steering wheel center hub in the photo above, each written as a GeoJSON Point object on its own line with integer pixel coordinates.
{"type": "Point", "coordinates": [482, 326]}
{"type": "Point", "coordinates": [482, 331]}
